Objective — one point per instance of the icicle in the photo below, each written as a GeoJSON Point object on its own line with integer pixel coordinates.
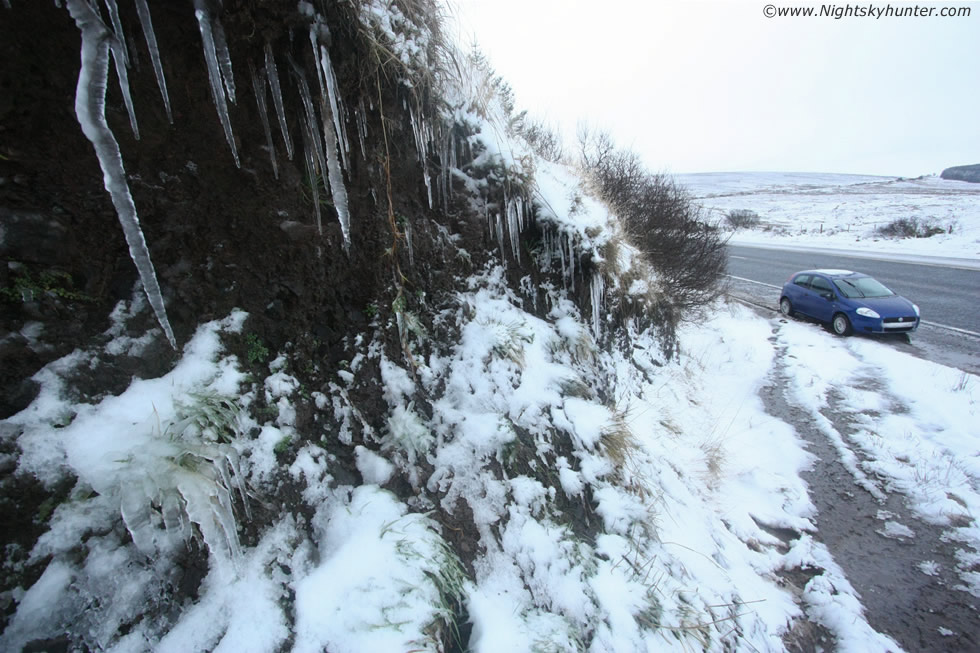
{"type": "Point", "coordinates": [571, 262]}
{"type": "Point", "coordinates": [337, 189]}
{"type": "Point", "coordinates": [151, 43]}
{"type": "Point", "coordinates": [419, 137]}
{"type": "Point", "coordinates": [312, 133]}
{"type": "Point", "coordinates": [598, 288]}
{"type": "Point", "coordinates": [119, 58]}
{"type": "Point", "coordinates": [428, 186]}
{"type": "Point", "coordinates": [334, 172]}
{"type": "Point", "coordinates": [336, 106]}
{"type": "Point", "coordinates": [561, 254]}
{"type": "Point", "coordinates": [224, 57]}
{"type": "Point", "coordinates": [270, 69]}
{"type": "Point", "coordinates": [214, 75]}
{"type": "Point", "coordinates": [513, 228]}
{"type": "Point", "coordinates": [408, 241]}
{"type": "Point", "coordinates": [500, 237]}
{"type": "Point", "coordinates": [118, 30]}
{"type": "Point", "coordinates": [311, 164]}
{"type": "Point", "coordinates": [90, 110]}
{"type": "Point", "coordinates": [361, 117]}
{"type": "Point", "coordinates": [258, 85]}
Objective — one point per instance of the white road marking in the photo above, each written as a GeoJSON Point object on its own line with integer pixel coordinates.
{"type": "Point", "coordinates": [768, 285]}
{"type": "Point", "coordinates": [949, 328]}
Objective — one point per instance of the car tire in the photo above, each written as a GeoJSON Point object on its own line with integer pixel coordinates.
{"type": "Point", "coordinates": [841, 325]}
{"type": "Point", "coordinates": [786, 307]}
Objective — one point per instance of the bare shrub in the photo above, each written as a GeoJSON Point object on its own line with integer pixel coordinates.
{"type": "Point", "coordinates": [662, 220]}
{"type": "Point", "coordinates": [545, 140]}
{"type": "Point", "coordinates": [909, 228]}
{"type": "Point", "coordinates": [742, 219]}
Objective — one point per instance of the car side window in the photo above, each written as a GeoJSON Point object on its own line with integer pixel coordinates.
{"type": "Point", "coordinates": [821, 286]}
{"type": "Point", "coordinates": [802, 280]}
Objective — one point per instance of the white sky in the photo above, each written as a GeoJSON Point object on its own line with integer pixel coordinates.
{"type": "Point", "coordinates": [716, 86]}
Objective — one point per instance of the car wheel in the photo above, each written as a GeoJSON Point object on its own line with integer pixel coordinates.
{"type": "Point", "coordinates": [786, 307]}
{"type": "Point", "coordinates": [841, 325]}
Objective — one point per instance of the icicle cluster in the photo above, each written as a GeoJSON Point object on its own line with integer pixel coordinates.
{"type": "Point", "coordinates": [560, 246]}
{"type": "Point", "coordinates": [515, 216]}
{"type": "Point", "coordinates": [97, 40]}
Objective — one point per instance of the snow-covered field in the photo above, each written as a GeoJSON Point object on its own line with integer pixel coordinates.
{"type": "Point", "coordinates": [843, 211]}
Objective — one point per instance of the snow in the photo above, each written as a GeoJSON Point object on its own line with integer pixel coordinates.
{"type": "Point", "coordinates": [374, 587]}
{"type": "Point", "coordinates": [610, 496]}
{"type": "Point", "coordinates": [841, 212]}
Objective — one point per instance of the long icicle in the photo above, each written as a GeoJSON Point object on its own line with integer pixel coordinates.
{"type": "Point", "coordinates": [117, 29]}
{"type": "Point", "coordinates": [270, 69]}
{"type": "Point", "coordinates": [258, 85]}
{"type": "Point", "coordinates": [224, 58]}
{"type": "Point", "coordinates": [332, 136]}
{"type": "Point", "coordinates": [214, 75]}
{"type": "Point", "coordinates": [119, 58]}
{"type": "Point", "coordinates": [90, 110]}
{"type": "Point", "coordinates": [310, 117]}
{"type": "Point", "coordinates": [151, 43]}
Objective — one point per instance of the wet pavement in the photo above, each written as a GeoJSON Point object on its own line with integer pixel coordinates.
{"type": "Point", "coordinates": [903, 568]}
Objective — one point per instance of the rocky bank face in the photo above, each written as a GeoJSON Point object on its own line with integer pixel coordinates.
{"type": "Point", "coordinates": [969, 173]}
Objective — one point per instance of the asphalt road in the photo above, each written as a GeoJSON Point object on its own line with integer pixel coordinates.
{"type": "Point", "coordinates": [948, 296]}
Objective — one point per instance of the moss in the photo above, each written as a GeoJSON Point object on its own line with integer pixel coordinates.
{"type": "Point", "coordinates": [257, 351]}
{"type": "Point", "coordinates": [24, 287]}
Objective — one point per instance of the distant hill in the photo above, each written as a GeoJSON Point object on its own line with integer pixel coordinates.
{"type": "Point", "coordinates": [963, 173]}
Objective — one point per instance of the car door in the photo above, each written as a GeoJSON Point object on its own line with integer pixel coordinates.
{"type": "Point", "coordinates": [799, 293]}
{"type": "Point", "coordinates": [821, 299]}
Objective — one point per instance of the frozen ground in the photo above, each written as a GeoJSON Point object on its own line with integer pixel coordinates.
{"type": "Point", "coordinates": [686, 553]}
{"type": "Point", "coordinates": [843, 211]}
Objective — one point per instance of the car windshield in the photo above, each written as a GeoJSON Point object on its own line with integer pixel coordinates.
{"type": "Point", "coordinates": [862, 287]}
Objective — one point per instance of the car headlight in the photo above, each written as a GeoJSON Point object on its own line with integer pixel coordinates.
{"type": "Point", "coordinates": [867, 312]}
{"type": "Point", "coordinates": [916, 307]}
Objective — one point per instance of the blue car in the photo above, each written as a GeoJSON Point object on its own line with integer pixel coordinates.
{"type": "Point", "coordinates": [849, 302]}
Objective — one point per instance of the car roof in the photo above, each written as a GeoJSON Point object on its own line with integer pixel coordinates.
{"type": "Point", "coordinates": [834, 274]}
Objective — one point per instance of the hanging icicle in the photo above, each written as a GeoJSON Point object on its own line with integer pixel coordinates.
{"type": "Point", "coordinates": [311, 172]}
{"type": "Point", "coordinates": [119, 58]}
{"type": "Point", "coordinates": [224, 57]}
{"type": "Point", "coordinates": [90, 110]}
{"type": "Point", "coordinates": [258, 85]}
{"type": "Point", "coordinates": [151, 44]}
{"type": "Point", "coordinates": [274, 86]}
{"type": "Point", "coordinates": [336, 106]}
{"type": "Point", "coordinates": [118, 30]}
{"type": "Point", "coordinates": [310, 122]}
{"type": "Point", "coordinates": [360, 115]}
{"type": "Point", "coordinates": [214, 75]}
{"type": "Point", "coordinates": [598, 289]}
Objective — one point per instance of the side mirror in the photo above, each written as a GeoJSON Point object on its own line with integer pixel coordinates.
{"type": "Point", "coordinates": [829, 296]}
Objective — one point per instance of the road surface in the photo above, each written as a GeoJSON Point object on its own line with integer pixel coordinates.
{"type": "Point", "coordinates": [948, 295]}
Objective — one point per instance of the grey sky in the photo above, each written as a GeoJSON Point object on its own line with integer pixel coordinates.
{"type": "Point", "coordinates": [718, 86]}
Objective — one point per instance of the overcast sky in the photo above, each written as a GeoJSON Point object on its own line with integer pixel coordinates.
{"type": "Point", "coordinates": [718, 86]}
